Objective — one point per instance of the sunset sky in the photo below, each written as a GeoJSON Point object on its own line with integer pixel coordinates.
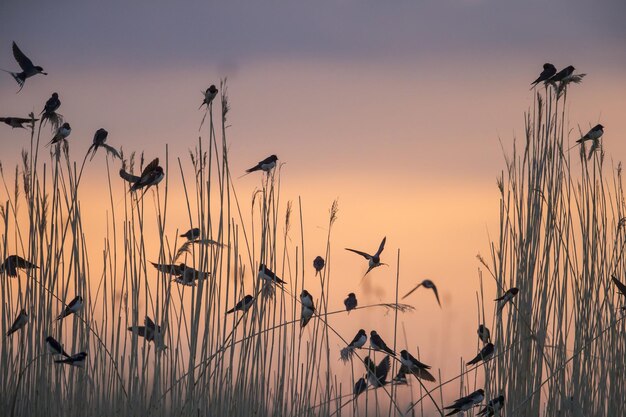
{"type": "Point", "coordinates": [400, 110]}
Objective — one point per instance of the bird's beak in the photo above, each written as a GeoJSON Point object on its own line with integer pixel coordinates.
{"type": "Point", "coordinates": [44, 73]}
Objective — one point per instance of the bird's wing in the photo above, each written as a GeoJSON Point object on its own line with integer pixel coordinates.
{"type": "Point", "coordinates": [150, 167]}
{"type": "Point", "coordinates": [383, 368]}
{"type": "Point", "coordinates": [436, 295]}
{"type": "Point", "coordinates": [363, 254]}
{"type": "Point", "coordinates": [21, 59]}
{"type": "Point", "coordinates": [111, 150]}
{"type": "Point", "coordinates": [423, 374]}
{"type": "Point", "coordinates": [621, 287]}
{"type": "Point", "coordinates": [149, 323]}
{"type": "Point", "coordinates": [412, 291]}
{"type": "Point", "coordinates": [168, 269]}
{"type": "Point", "coordinates": [381, 247]}
{"type": "Point", "coordinates": [356, 338]}
{"type": "Point", "coordinates": [128, 176]}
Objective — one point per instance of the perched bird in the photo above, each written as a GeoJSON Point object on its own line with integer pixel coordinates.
{"type": "Point", "coordinates": [151, 175]}
{"type": "Point", "coordinates": [400, 377]}
{"type": "Point", "coordinates": [51, 106]}
{"type": "Point", "coordinates": [493, 405]}
{"type": "Point", "coordinates": [54, 347]}
{"type": "Point", "coordinates": [72, 308]}
{"type": "Point", "coordinates": [19, 322]}
{"type": "Point", "coordinates": [16, 121]}
{"type": "Point", "coordinates": [377, 375]}
{"type": "Point", "coordinates": [99, 139]}
{"type": "Point", "coordinates": [415, 367]}
{"type": "Point", "coordinates": [150, 331]}
{"type": "Point", "coordinates": [243, 305]}
{"type": "Point", "coordinates": [308, 308]}
{"type": "Point", "coordinates": [484, 355]}
{"type": "Point", "coordinates": [306, 299]}
{"type": "Point", "coordinates": [427, 284]}
{"type": "Point", "coordinates": [548, 72]}
{"type": "Point", "coordinates": [209, 94]}
{"type": "Point", "coordinates": [28, 69]}
{"type": "Point", "coordinates": [621, 288]}
{"type": "Point", "coordinates": [350, 302]}
{"type": "Point", "coordinates": [359, 387]}
{"type": "Point", "coordinates": [359, 340]}
{"type": "Point", "coordinates": [484, 334]}
{"type": "Point", "coordinates": [318, 264]}
{"type": "Point", "coordinates": [13, 262]}
{"type": "Point", "coordinates": [268, 275]}
{"type": "Point", "coordinates": [377, 343]}
{"type": "Point", "coordinates": [465, 403]}
{"type": "Point", "coordinates": [74, 360]}
{"type": "Point", "coordinates": [506, 297]}
{"type": "Point", "coordinates": [562, 75]}
{"type": "Point", "coordinates": [192, 234]}
{"type": "Point", "coordinates": [62, 133]}
{"type": "Point", "coordinates": [594, 134]}
{"type": "Point", "coordinates": [265, 165]}
{"type": "Point", "coordinates": [374, 260]}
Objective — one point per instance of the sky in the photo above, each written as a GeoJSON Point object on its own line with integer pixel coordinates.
{"type": "Point", "coordinates": [401, 111]}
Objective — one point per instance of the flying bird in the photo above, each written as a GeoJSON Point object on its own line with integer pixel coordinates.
{"type": "Point", "coordinates": [269, 276]}
{"type": "Point", "coordinates": [594, 134]}
{"type": "Point", "coordinates": [350, 302]}
{"type": "Point", "coordinates": [74, 360]}
{"type": "Point", "coordinates": [374, 260]}
{"type": "Point", "coordinates": [484, 355]}
{"type": "Point", "coordinates": [209, 94]}
{"type": "Point", "coordinates": [377, 343]}
{"type": "Point", "coordinates": [308, 308]}
{"type": "Point", "coordinates": [359, 387]}
{"type": "Point", "coordinates": [377, 375]}
{"type": "Point", "coordinates": [171, 269]}
{"type": "Point", "coordinates": [465, 403]}
{"type": "Point", "coordinates": [19, 322]}
{"type": "Point", "coordinates": [492, 406]}
{"type": "Point", "coordinates": [151, 175]}
{"type": "Point", "coordinates": [16, 121]}
{"type": "Point", "coordinates": [72, 308]}
{"type": "Point", "coordinates": [427, 284]}
{"type": "Point", "coordinates": [150, 331]}
{"type": "Point", "coordinates": [243, 305]}
{"type": "Point", "coordinates": [265, 165]}
{"type": "Point", "coordinates": [190, 275]}
{"type": "Point", "coordinates": [13, 262]}
{"type": "Point", "coordinates": [506, 297]}
{"type": "Point", "coordinates": [191, 234]}
{"type": "Point", "coordinates": [54, 347]}
{"type": "Point", "coordinates": [27, 66]}
{"type": "Point", "coordinates": [562, 75]}
{"type": "Point", "coordinates": [318, 264]}
{"type": "Point", "coordinates": [484, 334]}
{"type": "Point", "coordinates": [62, 133]}
{"type": "Point", "coordinates": [415, 367]}
{"type": "Point", "coordinates": [99, 139]}
{"type": "Point", "coordinates": [548, 72]}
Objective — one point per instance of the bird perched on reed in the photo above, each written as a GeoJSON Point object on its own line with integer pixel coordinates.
{"type": "Point", "coordinates": [415, 367]}
{"type": "Point", "coordinates": [505, 298]}
{"type": "Point", "coordinates": [151, 175]}
{"type": "Point", "coordinates": [308, 308]}
{"type": "Point", "coordinates": [99, 139]}
{"type": "Point", "coordinates": [377, 374]}
{"type": "Point", "coordinates": [265, 165]}
{"type": "Point", "coordinates": [72, 308]}
{"type": "Point", "coordinates": [484, 355]}
{"type": "Point", "coordinates": [350, 302]}
{"type": "Point", "coordinates": [13, 262]}
{"type": "Point", "coordinates": [19, 322]}
{"type": "Point", "coordinates": [61, 135]}
{"type": "Point", "coordinates": [377, 343]}
{"type": "Point", "coordinates": [467, 402]}
{"type": "Point", "coordinates": [243, 304]}
{"type": "Point", "coordinates": [548, 72]}
{"type": "Point", "coordinates": [318, 264]}
{"type": "Point", "coordinates": [54, 347]}
{"type": "Point", "coordinates": [191, 234]}
{"type": "Point", "coordinates": [209, 94]}
{"type": "Point", "coordinates": [77, 360]}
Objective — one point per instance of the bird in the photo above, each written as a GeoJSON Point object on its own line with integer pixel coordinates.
{"type": "Point", "coordinates": [562, 75]}
{"type": "Point", "coordinates": [75, 360]}
{"type": "Point", "coordinates": [72, 308]}
{"type": "Point", "coordinates": [377, 375]}
{"type": "Point", "coordinates": [548, 71]}
{"type": "Point", "coordinates": [308, 308]}
{"type": "Point", "coordinates": [243, 305]}
{"type": "Point", "coordinates": [318, 264]}
{"type": "Point", "coordinates": [151, 175]}
{"type": "Point", "coordinates": [484, 355]}
{"type": "Point", "coordinates": [350, 302]}
{"type": "Point", "coordinates": [415, 367]}
{"type": "Point", "coordinates": [427, 284]}
{"type": "Point", "coordinates": [62, 133]}
{"type": "Point", "coordinates": [359, 340]}
{"type": "Point", "coordinates": [374, 260]}
{"type": "Point", "coordinates": [594, 134]}
{"type": "Point", "coordinates": [51, 106]}
{"type": "Point", "coordinates": [268, 275]}
{"type": "Point", "coordinates": [359, 387]}
{"type": "Point", "coordinates": [191, 234]}
{"type": "Point", "coordinates": [172, 269]}
{"type": "Point", "coordinates": [13, 262]}
{"type": "Point", "coordinates": [27, 66]}
{"type": "Point", "coordinates": [99, 139]}
{"type": "Point", "coordinates": [209, 94]}
{"type": "Point", "coordinates": [400, 377]}
{"type": "Point", "coordinates": [19, 322]}
{"type": "Point", "coordinates": [54, 347]}
{"type": "Point", "coordinates": [465, 403]}
{"type": "Point", "coordinates": [377, 343]}
{"type": "Point", "coordinates": [17, 121]}
{"type": "Point", "coordinates": [506, 297]}
{"type": "Point", "coordinates": [189, 276]}
{"type": "Point", "coordinates": [621, 288]}
{"type": "Point", "coordinates": [265, 165]}
{"type": "Point", "coordinates": [150, 331]}
{"type": "Point", "coordinates": [492, 406]}
{"type": "Point", "coordinates": [484, 334]}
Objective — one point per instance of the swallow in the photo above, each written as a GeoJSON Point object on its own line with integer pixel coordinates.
{"type": "Point", "coordinates": [13, 262]}
{"type": "Point", "coordinates": [374, 260]}
{"type": "Point", "coordinates": [170, 269]}
{"type": "Point", "coordinates": [19, 322]}
{"type": "Point", "coordinates": [621, 288]}
{"type": "Point", "coordinates": [359, 387]}
{"type": "Point", "coordinates": [484, 355]}
{"type": "Point", "coordinates": [465, 403]}
{"type": "Point", "coordinates": [377, 375]}
{"type": "Point", "coordinates": [243, 305]}
{"type": "Point", "coordinates": [562, 75]}
{"type": "Point", "coordinates": [150, 331]}
{"type": "Point", "coordinates": [62, 133]}
{"type": "Point", "coordinates": [190, 275]}
{"type": "Point", "coordinates": [54, 347]}
{"type": "Point", "coordinates": [17, 121]}
{"type": "Point", "coordinates": [268, 275]}
{"type": "Point", "coordinates": [151, 175]}
{"type": "Point", "coordinates": [548, 72]}
{"type": "Point", "coordinates": [28, 69]}
{"type": "Point", "coordinates": [209, 94]}
{"type": "Point", "coordinates": [318, 264]}
{"type": "Point", "coordinates": [377, 343]}
{"type": "Point", "coordinates": [308, 308]}
{"type": "Point", "coordinates": [51, 106]}
{"type": "Point", "coordinates": [400, 377]}
{"type": "Point", "coordinates": [265, 165]}
{"type": "Point", "coordinates": [594, 134]}
{"type": "Point", "coordinates": [192, 234]}
{"type": "Point", "coordinates": [506, 297]}
{"type": "Point", "coordinates": [74, 360]}
{"type": "Point", "coordinates": [484, 334]}
{"type": "Point", "coordinates": [492, 406]}
{"type": "Point", "coordinates": [99, 139]}
{"type": "Point", "coordinates": [427, 284]}
{"type": "Point", "coordinates": [359, 340]}
{"type": "Point", "coordinates": [415, 367]}
{"type": "Point", "coordinates": [72, 308]}
{"type": "Point", "coordinates": [350, 302]}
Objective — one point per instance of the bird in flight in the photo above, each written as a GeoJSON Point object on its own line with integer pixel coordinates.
{"type": "Point", "coordinates": [27, 66]}
{"type": "Point", "coordinates": [359, 387]}
{"type": "Point", "coordinates": [17, 122]}
{"type": "Point", "coordinates": [13, 262]}
{"type": "Point", "coordinates": [548, 72]}
{"type": "Point", "coordinates": [427, 284]}
{"type": "Point", "coordinates": [374, 260]}
{"type": "Point", "coordinates": [150, 331]}
{"type": "Point", "coordinates": [99, 139]}
{"type": "Point", "coordinates": [19, 322]}
{"type": "Point", "coordinates": [72, 308]}
{"type": "Point", "coordinates": [465, 403]}
{"type": "Point", "coordinates": [377, 375]}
